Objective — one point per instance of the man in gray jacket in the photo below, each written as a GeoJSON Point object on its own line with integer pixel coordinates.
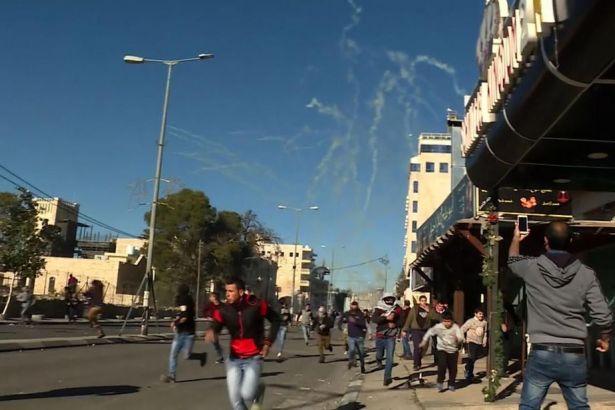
{"type": "Point", "coordinates": [558, 288]}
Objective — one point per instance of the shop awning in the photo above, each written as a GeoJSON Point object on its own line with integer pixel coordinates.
{"type": "Point", "coordinates": [555, 129]}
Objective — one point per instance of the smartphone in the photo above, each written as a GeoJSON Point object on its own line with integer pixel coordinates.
{"type": "Point", "coordinates": [523, 224]}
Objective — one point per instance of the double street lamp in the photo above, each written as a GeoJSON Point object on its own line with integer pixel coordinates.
{"type": "Point", "coordinates": [299, 212]}
{"type": "Point", "coordinates": [152, 224]}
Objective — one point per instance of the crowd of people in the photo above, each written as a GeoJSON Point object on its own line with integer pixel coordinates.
{"type": "Point", "coordinates": [557, 354]}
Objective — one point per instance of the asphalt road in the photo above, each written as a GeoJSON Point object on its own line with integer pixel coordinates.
{"type": "Point", "coordinates": [126, 376]}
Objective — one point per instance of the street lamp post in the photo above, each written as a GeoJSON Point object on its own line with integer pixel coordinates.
{"type": "Point", "coordinates": [298, 211]}
{"type": "Point", "coordinates": [152, 221]}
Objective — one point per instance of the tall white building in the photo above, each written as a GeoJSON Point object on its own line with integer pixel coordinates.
{"type": "Point", "coordinates": [284, 255]}
{"type": "Point", "coordinates": [429, 183]}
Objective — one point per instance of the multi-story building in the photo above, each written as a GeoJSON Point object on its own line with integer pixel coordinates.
{"type": "Point", "coordinates": [64, 215]}
{"type": "Point", "coordinates": [429, 183]}
{"type": "Point", "coordinates": [284, 255]}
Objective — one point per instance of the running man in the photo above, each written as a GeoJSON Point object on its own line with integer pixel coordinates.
{"type": "Point", "coordinates": [244, 316]}
{"type": "Point", "coordinates": [95, 295]}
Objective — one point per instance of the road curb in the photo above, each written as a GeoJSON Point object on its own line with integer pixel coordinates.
{"type": "Point", "coordinates": [350, 399]}
{"type": "Point", "coordinates": [54, 343]}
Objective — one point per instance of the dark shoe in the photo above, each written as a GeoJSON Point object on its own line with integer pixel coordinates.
{"type": "Point", "coordinates": [101, 335]}
{"type": "Point", "coordinates": [440, 388]}
{"type": "Point", "coordinates": [363, 369]}
{"type": "Point", "coordinates": [387, 381]}
{"type": "Point", "coordinates": [451, 387]}
{"type": "Point", "coordinates": [330, 348]}
{"type": "Point", "coordinates": [322, 359]}
{"type": "Point", "coordinates": [307, 343]}
{"type": "Point", "coordinates": [203, 359]}
{"type": "Point", "coordinates": [379, 365]}
{"type": "Point", "coordinates": [220, 360]}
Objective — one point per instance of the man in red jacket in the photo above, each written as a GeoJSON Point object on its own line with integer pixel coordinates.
{"type": "Point", "coordinates": [244, 316]}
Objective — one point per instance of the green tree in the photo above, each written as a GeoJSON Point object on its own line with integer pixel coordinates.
{"type": "Point", "coordinates": [183, 219]}
{"type": "Point", "coordinates": [227, 239]}
{"type": "Point", "coordinates": [22, 245]}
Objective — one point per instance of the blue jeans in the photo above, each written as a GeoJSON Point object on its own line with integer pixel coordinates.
{"type": "Point", "coordinates": [356, 344]}
{"type": "Point", "coordinates": [306, 332]}
{"type": "Point", "coordinates": [243, 380]}
{"type": "Point", "coordinates": [385, 345]}
{"type": "Point", "coordinates": [181, 341]}
{"type": "Point", "coordinates": [569, 370]}
{"type": "Point", "coordinates": [281, 338]}
{"type": "Point", "coordinates": [405, 344]}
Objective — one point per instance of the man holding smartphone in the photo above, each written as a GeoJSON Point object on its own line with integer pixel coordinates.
{"type": "Point", "coordinates": [558, 288]}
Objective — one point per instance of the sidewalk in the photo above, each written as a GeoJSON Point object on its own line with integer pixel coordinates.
{"type": "Point", "coordinates": [372, 395]}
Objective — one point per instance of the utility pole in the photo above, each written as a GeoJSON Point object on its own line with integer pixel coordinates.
{"type": "Point", "coordinates": [198, 278]}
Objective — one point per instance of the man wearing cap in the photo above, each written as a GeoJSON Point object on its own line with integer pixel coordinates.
{"type": "Point", "coordinates": [357, 328]}
{"type": "Point", "coordinates": [386, 316]}
{"type": "Point", "coordinates": [559, 287]}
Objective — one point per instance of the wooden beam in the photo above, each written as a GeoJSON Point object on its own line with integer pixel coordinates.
{"type": "Point", "coordinates": [474, 241]}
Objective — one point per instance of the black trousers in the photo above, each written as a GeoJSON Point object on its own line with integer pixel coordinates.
{"type": "Point", "coordinates": [447, 361]}
{"type": "Point", "coordinates": [475, 351]}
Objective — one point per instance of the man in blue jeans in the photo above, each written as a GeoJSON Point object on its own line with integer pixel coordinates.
{"type": "Point", "coordinates": [386, 316]}
{"type": "Point", "coordinates": [244, 316]}
{"type": "Point", "coordinates": [184, 327]}
{"type": "Point", "coordinates": [357, 328]}
{"type": "Point", "coordinates": [559, 287]}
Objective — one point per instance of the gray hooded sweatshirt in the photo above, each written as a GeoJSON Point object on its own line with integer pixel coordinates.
{"type": "Point", "coordinates": [558, 288]}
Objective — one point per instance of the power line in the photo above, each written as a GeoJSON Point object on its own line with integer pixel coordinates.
{"type": "Point", "coordinates": [45, 195]}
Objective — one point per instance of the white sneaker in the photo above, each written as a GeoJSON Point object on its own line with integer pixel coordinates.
{"type": "Point", "coordinates": [279, 355]}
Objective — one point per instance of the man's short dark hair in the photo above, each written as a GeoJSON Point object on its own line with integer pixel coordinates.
{"type": "Point", "coordinates": [406, 303]}
{"type": "Point", "coordinates": [354, 302]}
{"type": "Point", "coordinates": [558, 235]}
{"type": "Point", "coordinates": [422, 297]}
{"type": "Point", "coordinates": [447, 315]}
{"type": "Point", "coordinates": [237, 282]}
{"type": "Point", "coordinates": [479, 310]}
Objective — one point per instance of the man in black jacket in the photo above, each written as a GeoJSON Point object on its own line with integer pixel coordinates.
{"type": "Point", "coordinates": [244, 317]}
{"type": "Point", "coordinates": [184, 327]}
{"type": "Point", "coordinates": [357, 328]}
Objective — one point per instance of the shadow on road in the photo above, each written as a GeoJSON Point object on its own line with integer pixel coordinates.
{"type": "Point", "coordinates": [265, 374]}
{"type": "Point", "coordinates": [74, 391]}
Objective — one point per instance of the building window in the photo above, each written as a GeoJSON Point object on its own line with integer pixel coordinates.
{"type": "Point", "coordinates": [415, 167]}
{"type": "Point", "coordinates": [414, 226]}
{"type": "Point", "coordinates": [429, 167]}
{"type": "Point", "coordinates": [281, 253]}
{"type": "Point", "coordinates": [443, 149]}
{"type": "Point", "coordinates": [413, 247]}
{"type": "Point", "coordinates": [415, 206]}
{"type": "Point", "coordinates": [51, 288]}
{"type": "Point", "coordinates": [415, 186]}
{"type": "Point", "coordinates": [444, 167]}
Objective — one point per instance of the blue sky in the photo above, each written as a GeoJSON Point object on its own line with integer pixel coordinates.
{"type": "Point", "coordinates": [306, 103]}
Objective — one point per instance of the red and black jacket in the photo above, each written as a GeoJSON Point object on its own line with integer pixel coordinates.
{"type": "Point", "coordinates": [246, 325]}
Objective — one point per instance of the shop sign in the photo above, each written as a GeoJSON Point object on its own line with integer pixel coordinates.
{"type": "Point", "coordinates": [539, 202]}
{"type": "Point", "coordinates": [501, 59]}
